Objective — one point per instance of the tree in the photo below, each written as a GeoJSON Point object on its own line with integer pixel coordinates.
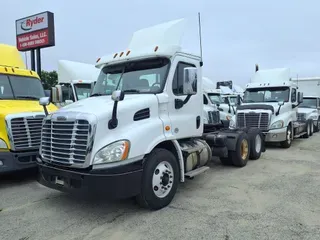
{"type": "Point", "coordinates": [49, 79]}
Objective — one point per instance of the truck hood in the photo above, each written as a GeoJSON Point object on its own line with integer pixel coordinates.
{"type": "Point", "coordinates": [20, 106]}
{"type": "Point", "coordinates": [255, 106]}
{"type": "Point", "coordinates": [307, 110]}
{"type": "Point", "coordinates": [102, 106]}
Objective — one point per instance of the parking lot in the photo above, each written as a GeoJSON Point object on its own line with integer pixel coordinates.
{"type": "Point", "coordinates": [275, 197]}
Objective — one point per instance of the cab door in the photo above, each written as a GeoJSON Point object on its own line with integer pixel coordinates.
{"type": "Point", "coordinates": [186, 120]}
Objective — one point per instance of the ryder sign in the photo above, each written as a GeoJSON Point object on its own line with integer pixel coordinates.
{"type": "Point", "coordinates": [36, 31]}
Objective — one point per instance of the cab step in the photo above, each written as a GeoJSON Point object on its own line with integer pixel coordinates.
{"type": "Point", "coordinates": [196, 171]}
{"type": "Point", "coordinates": [300, 134]}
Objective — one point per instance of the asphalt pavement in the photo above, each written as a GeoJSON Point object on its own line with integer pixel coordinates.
{"type": "Point", "coordinates": [275, 197]}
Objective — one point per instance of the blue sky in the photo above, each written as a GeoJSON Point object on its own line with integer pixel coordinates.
{"type": "Point", "coordinates": [236, 34]}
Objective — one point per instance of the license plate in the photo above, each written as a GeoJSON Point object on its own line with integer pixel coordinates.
{"type": "Point", "coordinates": [59, 181]}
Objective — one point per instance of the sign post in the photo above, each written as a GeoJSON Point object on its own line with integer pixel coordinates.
{"type": "Point", "coordinates": [33, 33]}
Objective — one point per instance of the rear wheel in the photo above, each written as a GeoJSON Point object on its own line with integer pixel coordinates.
{"type": "Point", "coordinates": [160, 179]}
{"type": "Point", "coordinates": [287, 142]}
{"type": "Point", "coordinates": [309, 126]}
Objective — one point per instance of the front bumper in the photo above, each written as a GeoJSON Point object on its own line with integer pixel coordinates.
{"type": "Point", "coordinates": [114, 183]}
{"type": "Point", "coordinates": [13, 161]}
{"type": "Point", "coordinates": [276, 135]}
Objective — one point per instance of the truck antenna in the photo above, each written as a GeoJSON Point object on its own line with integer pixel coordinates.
{"type": "Point", "coordinates": [200, 39]}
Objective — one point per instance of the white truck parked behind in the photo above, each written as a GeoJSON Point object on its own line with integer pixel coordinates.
{"type": "Point", "coordinates": [310, 108]}
{"type": "Point", "coordinates": [271, 103]}
{"type": "Point", "coordinates": [148, 135]}
{"type": "Point", "coordinates": [75, 82]}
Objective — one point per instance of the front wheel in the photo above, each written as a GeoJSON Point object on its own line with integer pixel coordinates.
{"type": "Point", "coordinates": [316, 127]}
{"type": "Point", "coordinates": [287, 142]}
{"type": "Point", "coordinates": [160, 179]}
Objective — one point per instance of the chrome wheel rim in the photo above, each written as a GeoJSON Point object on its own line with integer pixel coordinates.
{"type": "Point", "coordinates": [162, 179]}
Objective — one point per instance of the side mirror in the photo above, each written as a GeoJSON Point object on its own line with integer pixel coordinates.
{"type": "Point", "coordinates": [44, 101]}
{"type": "Point", "coordinates": [238, 100]}
{"type": "Point", "coordinates": [59, 97]}
{"type": "Point", "coordinates": [300, 97]}
{"type": "Point", "coordinates": [190, 81]}
{"type": "Point", "coordinates": [54, 95]}
{"type": "Point", "coordinates": [117, 95]}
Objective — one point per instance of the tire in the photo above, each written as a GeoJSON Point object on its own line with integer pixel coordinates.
{"type": "Point", "coordinates": [154, 194]}
{"type": "Point", "coordinates": [241, 155]}
{"type": "Point", "coordinates": [308, 130]}
{"type": "Point", "coordinates": [311, 127]}
{"type": "Point", "coordinates": [288, 141]}
{"type": "Point", "coordinates": [316, 128]}
{"type": "Point", "coordinates": [256, 143]}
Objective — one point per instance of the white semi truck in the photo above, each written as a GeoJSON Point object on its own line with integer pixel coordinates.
{"type": "Point", "coordinates": [148, 135]}
{"type": "Point", "coordinates": [75, 82]}
{"type": "Point", "coordinates": [310, 108]}
{"type": "Point", "coordinates": [271, 103]}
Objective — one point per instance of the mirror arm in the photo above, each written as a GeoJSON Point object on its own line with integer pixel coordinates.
{"type": "Point", "coordinates": [278, 112]}
{"type": "Point", "coordinates": [180, 103]}
{"type": "Point", "coordinates": [113, 122]}
{"type": "Point", "coordinates": [45, 110]}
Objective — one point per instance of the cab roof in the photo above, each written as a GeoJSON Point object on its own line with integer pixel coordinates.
{"type": "Point", "coordinates": [10, 57]}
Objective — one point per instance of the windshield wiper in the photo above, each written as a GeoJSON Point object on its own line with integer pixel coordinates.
{"type": "Point", "coordinates": [131, 91]}
{"type": "Point", "coordinates": [27, 97]}
{"type": "Point", "coordinates": [97, 94]}
{"type": "Point", "coordinates": [271, 101]}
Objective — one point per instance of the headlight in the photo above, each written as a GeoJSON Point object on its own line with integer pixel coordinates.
{"type": "Point", "coordinates": [3, 144]}
{"type": "Point", "coordinates": [114, 152]}
{"type": "Point", "coordinates": [232, 124]}
{"type": "Point", "coordinates": [228, 117]}
{"type": "Point", "coordinates": [314, 117]}
{"type": "Point", "coordinates": [277, 124]}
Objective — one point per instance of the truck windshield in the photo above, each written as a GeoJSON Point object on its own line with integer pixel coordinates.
{"type": "Point", "coordinates": [82, 90]}
{"type": "Point", "coordinates": [275, 94]}
{"type": "Point", "coordinates": [215, 98]}
{"type": "Point", "coordinates": [143, 76]}
{"type": "Point", "coordinates": [309, 103]}
{"type": "Point", "coordinates": [20, 87]}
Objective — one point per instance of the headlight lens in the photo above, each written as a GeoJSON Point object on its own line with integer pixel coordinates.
{"type": "Point", "coordinates": [3, 144]}
{"type": "Point", "coordinates": [114, 152]}
{"type": "Point", "coordinates": [228, 117]}
{"type": "Point", "coordinates": [232, 124]}
{"type": "Point", "coordinates": [314, 117]}
{"type": "Point", "coordinates": [277, 124]}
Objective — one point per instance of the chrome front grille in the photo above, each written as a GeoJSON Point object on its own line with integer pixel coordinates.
{"type": "Point", "coordinates": [65, 141]}
{"type": "Point", "coordinates": [213, 117]}
{"type": "Point", "coordinates": [259, 120]}
{"type": "Point", "coordinates": [26, 132]}
{"type": "Point", "coordinates": [301, 117]}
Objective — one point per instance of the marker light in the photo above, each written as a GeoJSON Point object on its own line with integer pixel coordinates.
{"type": "Point", "coordinates": [156, 48]}
{"type": "Point", "coordinates": [115, 55]}
{"type": "Point", "coordinates": [121, 54]}
{"type": "Point", "coordinates": [128, 53]}
{"type": "Point", "coordinates": [98, 59]}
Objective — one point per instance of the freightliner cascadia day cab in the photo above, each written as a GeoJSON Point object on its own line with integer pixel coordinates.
{"type": "Point", "coordinates": [271, 103]}
{"type": "Point", "coordinates": [75, 82]}
{"type": "Point", "coordinates": [310, 107]}
{"type": "Point", "coordinates": [20, 114]}
{"type": "Point", "coordinates": [148, 135]}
